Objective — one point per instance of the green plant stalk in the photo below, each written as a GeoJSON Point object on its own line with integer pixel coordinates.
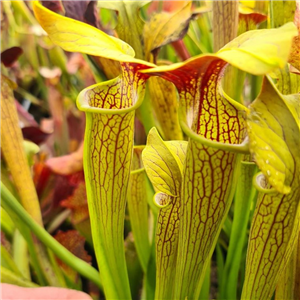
{"type": "Point", "coordinates": [58, 271]}
{"type": "Point", "coordinates": [7, 276]}
{"type": "Point", "coordinates": [244, 196]}
{"type": "Point", "coordinates": [205, 290]}
{"type": "Point", "coordinates": [8, 262]}
{"type": "Point", "coordinates": [138, 207]}
{"type": "Point", "coordinates": [21, 9]}
{"type": "Point", "coordinates": [134, 269]}
{"type": "Point", "coordinates": [149, 283]}
{"type": "Point", "coordinates": [256, 82]}
{"type": "Point", "coordinates": [225, 22]}
{"type": "Point", "coordinates": [59, 219]}
{"type": "Point", "coordinates": [20, 254]}
{"type": "Point", "coordinates": [7, 225]}
{"type": "Point", "coordinates": [83, 268]}
{"type": "Point", "coordinates": [33, 250]}
{"type": "Point", "coordinates": [144, 113]}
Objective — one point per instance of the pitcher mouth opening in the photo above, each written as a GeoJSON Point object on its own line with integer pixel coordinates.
{"type": "Point", "coordinates": [83, 102]}
{"type": "Point", "coordinates": [238, 148]}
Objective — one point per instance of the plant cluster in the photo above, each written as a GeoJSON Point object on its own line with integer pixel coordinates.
{"type": "Point", "coordinates": [179, 170]}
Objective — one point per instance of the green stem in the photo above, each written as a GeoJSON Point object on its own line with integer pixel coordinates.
{"type": "Point", "coordinates": [65, 255]}
{"type": "Point", "coordinates": [8, 276]}
{"type": "Point", "coordinates": [244, 195]}
{"type": "Point", "coordinates": [8, 262]}
{"type": "Point", "coordinates": [20, 254]}
{"type": "Point", "coordinates": [7, 225]}
{"type": "Point", "coordinates": [138, 208]}
{"type": "Point", "coordinates": [205, 290]}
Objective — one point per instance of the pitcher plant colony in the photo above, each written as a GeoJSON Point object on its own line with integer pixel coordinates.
{"type": "Point", "coordinates": [191, 152]}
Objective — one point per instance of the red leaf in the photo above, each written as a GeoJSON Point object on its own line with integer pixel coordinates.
{"type": "Point", "coordinates": [84, 11]}
{"type": "Point", "coordinates": [10, 55]}
{"type": "Point", "coordinates": [34, 134]}
{"type": "Point", "coordinates": [78, 204]}
{"type": "Point", "coordinates": [74, 242]}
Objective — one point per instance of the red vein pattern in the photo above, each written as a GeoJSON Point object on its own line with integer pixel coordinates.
{"type": "Point", "coordinates": [274, 231]}
{"type": "Point", "coordinates": [108, 152]}
{"type": "Point", "coordinates": [167, 231]}
{"type": "Point", "coordinates": [208, 176]}
{"type": "Point", "coordinates": [276, 222]}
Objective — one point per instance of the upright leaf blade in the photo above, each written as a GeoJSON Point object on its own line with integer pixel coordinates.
{"type": "Point", "coordinates": [276, 223]}
{"type": "Point", "coordinates": [163, 163]}
{"type": "Point", "coordinates": [138, 207]}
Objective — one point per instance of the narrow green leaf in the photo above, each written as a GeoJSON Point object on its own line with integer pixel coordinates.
{"type": "Point", "coordinates": [7, 225]}
{"type": "Point", "coordinates": [20, 254]}
{"type": "Point", "coordinates": [138, 207]}
{"type": "Point", "coordinates": [244, 196]}
{"type": "Point", "coordinates": [205, 290]}
{"type": "Point", "coordinates": [11, 204]}
{"type": "Point", "coordinates": [8, 262]}
{"type": "Point", "coordinates": [7, 276]}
